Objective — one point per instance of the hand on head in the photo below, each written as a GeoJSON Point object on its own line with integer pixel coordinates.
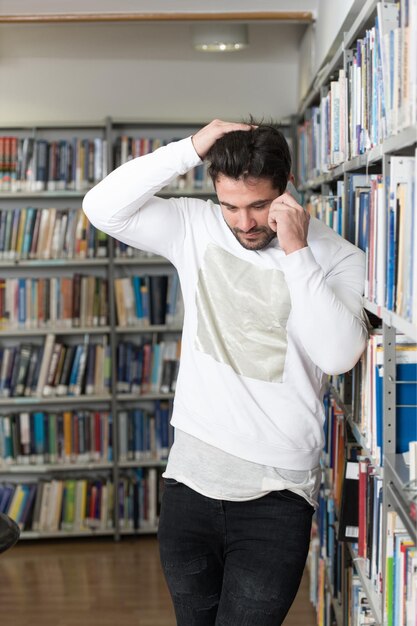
{"type": "Point", "coordinates": [208, 135]}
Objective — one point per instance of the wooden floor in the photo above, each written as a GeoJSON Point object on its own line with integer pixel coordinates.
{"type": "Point", "coordinates": [96, 583]}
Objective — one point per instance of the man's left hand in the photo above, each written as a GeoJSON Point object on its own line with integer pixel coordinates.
{"type": "Point", "coordinates": [289, 220]}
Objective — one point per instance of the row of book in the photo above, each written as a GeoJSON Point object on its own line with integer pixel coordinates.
{"type": "Point", "coordinates": [29, 164]}
{"type": "Point", "coordinates": [351, 512]}
{"type": "Point", "coordinates": [368, 401]}
{"type": "Point", "coordinates": [357, 521]}
{"type": "Point", "coordinates": [124, 251]}
{"type": "Point", "coordinates": [63, 301]}
{"type": "Point", "coordinates": [49, 233]}
{"type": "Point", "coordinates": [145, 435]}
{"type": "Point", "coordinates": [373, 97]}
{"type": "Point", "coordinates": [56, 438]}
{"type": "Point", "coordinates": [55, 369]}
{"type": "Point", "coordinates": [362, 510]}
{"type": "Point", "coordinates": [148, 367]}
{"type": "Point", "coordinates": [363, 493]}
{"type": "Point", "coordinates": [390, 237]}
{"type": "Point", "coordinates": [80, 504]}
{"type": "Point", "coordinates": [148, 299]}
{"type": "Point", "coordinates": [127, 148]}
{"type": "Point", "coordinates": [356, 491]}
{"type": "Point", "coordinates": [60, 505]}
{"type": "Point", "coordinates": [329, 208]}
{"type": "Point", "coordinates": [400, 574]}
{"type": "Point", "coordinates": [83, 300]}
{"type": "Point", "coordinates": [380, 217]}
{"type": "Point", "coordinates": [382, 221]}
{"type": "Point", "coordinates": [139, 499]}
{"type": "Point", "coordinates": [85, 436]}
{"type": "Point", "coordinates": [329, 575]}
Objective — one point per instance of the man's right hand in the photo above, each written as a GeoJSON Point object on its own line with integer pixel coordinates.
{"type": "Point", "coordinates": [208, 135]}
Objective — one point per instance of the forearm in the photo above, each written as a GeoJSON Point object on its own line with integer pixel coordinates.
{"type": "Point", "coordinates": [113, 201]}
{"type": "Point", "coordinates": [326, 312]}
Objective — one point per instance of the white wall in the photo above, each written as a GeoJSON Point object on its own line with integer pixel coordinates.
{"type": "Point", "coordinates": [149, 70]}
{"type": "Point", "coordinates": [145, 71]}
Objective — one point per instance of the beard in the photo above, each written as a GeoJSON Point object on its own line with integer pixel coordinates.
{"type": "Point", "coordinates": [260, 238]}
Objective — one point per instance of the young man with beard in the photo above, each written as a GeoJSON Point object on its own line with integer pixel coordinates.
{"type": "Point", "coordinates": [273, 302]}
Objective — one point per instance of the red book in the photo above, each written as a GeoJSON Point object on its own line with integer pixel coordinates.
{"type": "Point", "coordinates": [146, 368]}
{"type": "Point", "coordinates": [363, 479]}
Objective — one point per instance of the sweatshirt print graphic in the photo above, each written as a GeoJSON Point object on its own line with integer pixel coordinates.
{"type": "Point", "coordinates": [242, 313]}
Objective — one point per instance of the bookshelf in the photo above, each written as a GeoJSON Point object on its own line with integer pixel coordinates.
{"type": "Point", "coordinates": [120, 477]}
{"type": "Point", "coordinates": [354, 127]}
{"type": "Point", "coordinates": [46, 170]}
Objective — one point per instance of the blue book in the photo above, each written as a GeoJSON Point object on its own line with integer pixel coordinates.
{"type": "Point", "coordinates": [6, 497]}
{"type": "Point", "coordinates": [27, 233]}
{"type": "Point", "coordinates": [22, 301]}
{"type": "Point", "coordinates": [138, 420]}
{"type": "Point", "coordinates": [64, 164]}
{"type": "Point", "coordinates": [172, 297]}
{"type": "Point", "coordinates": [3, 216]}
{"type": "Point", "coordinates": [156, 367]}
{"type": "Point", "coordinates": [162, 428]}
{"type": "Point", "coordinates": [7, 437]}
{"type": "Point", "coordinates": [406, 405]}
{"type": "Point", "coordinates": [354, 181]}
{"type": "Point", "coordinates": [128, 367]}
{"type": "Point", "coordinates": [145, 293]}
{"type": "Point", "coordinates": [362, 242]}
{"type": "Point", "coordinates": [74, 369]}
{"type": "Point", "coordinates": [138, 297]}
{"type": "Point", "coordinates": [39, 432]}
{"type": "Point", "coordinates": [199, 174]}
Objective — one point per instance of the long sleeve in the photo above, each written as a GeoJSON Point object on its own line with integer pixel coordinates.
{"type": "Point", "coordinates": [124, 205]}
{"type": "Point", "coordinates": [327, 308]}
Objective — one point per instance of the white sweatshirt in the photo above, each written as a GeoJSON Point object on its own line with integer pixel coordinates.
{"type": "Point", "coordinates": [260, 329]}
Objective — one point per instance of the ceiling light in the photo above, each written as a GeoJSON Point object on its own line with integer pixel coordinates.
{"type": "Point", "coordinates": [215, 37]}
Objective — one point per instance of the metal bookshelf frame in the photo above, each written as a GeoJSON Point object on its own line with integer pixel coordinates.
{"type": "Point", "coordinates": [394, 470]}
{"type": "Point", "coordinates": [113, 401]}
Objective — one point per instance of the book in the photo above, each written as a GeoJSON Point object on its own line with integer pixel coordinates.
{"type": "Point", "coordinates": [45, 363]}
{"type": "Point", "coordinates": [349, 510]}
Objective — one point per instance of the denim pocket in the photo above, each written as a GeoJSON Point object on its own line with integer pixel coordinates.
{"type": "Point", "coordinates": [287, 494]}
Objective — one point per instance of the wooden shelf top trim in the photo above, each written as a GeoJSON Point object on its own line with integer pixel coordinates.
{"type": "Point", "coordinates": [305, 17]}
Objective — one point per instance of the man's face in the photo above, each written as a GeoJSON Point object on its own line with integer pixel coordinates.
{"type": "Point", "coordinates": [245, 207]}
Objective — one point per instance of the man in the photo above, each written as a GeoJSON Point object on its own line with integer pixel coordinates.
{"type": "Point", "coordinates": [273, 301]}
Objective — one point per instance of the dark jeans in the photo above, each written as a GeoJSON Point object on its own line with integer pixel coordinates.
{"type": "Point", "coordinates": [232, 563]}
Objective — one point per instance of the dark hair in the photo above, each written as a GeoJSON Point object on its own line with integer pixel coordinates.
{"type": "Point", "coordinates": [260, 152]}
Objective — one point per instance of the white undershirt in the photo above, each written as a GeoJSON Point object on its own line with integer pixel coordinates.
{"type": "Point", "coordinates": [223, 476]}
